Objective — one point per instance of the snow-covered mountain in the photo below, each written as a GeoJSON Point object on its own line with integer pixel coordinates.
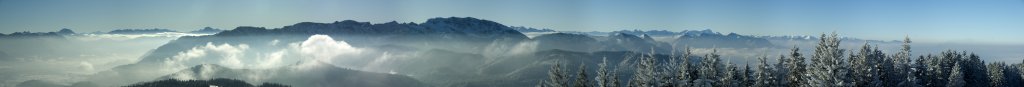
{"type": "Point", "coordinates": [732, 40]}
{"type": "Point", "coordinates": [31, 35]}
{"type": "Point", "coordinates": [207, 30]}
{"type": "Point", "coordinates": [140, 31]}
{"type": "Point", "coordinates": [450, 51]}
{"type": "Point", "coordinates": [524, 29]}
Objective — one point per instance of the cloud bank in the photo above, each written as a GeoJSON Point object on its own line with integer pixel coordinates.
{"type": "Point", "coordinates": [324, 48]}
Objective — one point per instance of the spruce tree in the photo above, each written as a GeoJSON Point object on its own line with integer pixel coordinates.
{"type": "Point", "coordinates": [795, 67]}
{"type": "Point", "coordinates": [779, 71]}
{"type": "Point", "coordinates": [615, 82]}
{"type": "Point", "coordinates": [747, 73]}
{"type": "Point", "coordinates": [906, 72]}
{"type": "Point", "coordinates": [708, 70]}
{"type": "Point", "coordinates": [763, 76]}
{"type": "Point", "coordinates": [540, 83]}
{"type": "Point", "coordinates": [956, 77]}
{"type": "Point", "coordinates": [975, 72]}
{"type": "Point", "coordinates": [644, 74]}
{"type": "Point", "coordinates": [685, 69]}
{"type": "Point", "coordinates": [581, 77]}
{"type": "Point", "coordinates": [996, 75]}
{"type": "Point", "coordinates": [728, 78]}
{"type": "Point", "coordinates": [603, 77]}
{"type": "Point", "coordinates": [557, 77]}
{"type": "Point", "coordinates": [828, 68]}
{"type": "Point", "coordinates": [862, 66]}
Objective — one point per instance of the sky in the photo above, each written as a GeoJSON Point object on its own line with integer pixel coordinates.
{"type": "Point", "coordinates": [943, 21]}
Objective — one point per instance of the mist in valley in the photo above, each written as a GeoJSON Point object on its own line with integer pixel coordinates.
{"type": "Point", "coordinates": [349, 43]}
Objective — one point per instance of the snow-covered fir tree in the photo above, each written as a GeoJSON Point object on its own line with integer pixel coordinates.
{"type": "Point", "coordinates": [906, 71]}
{"type": "Point", "coordinates": [685, 72]}
{"type": "Point", "coordinates": [730, 76]}
{"type": "Point", "coordinates": [748, 73]}
{"type": "Point", "coordinates": [795, 68]}
{"type": "Point", "coordinates": [667, 72]}
{"type": "Point", "coordinates": [865, 67]}
{"type": "Point", "coordinates": [540, 83]}
{"type": "Point", "coordinates": [996, 76]}
{"type": "Point", "coordinates": [956, 77]}
{"type": "Point", "coordinates": [1013, 77]}
{"type": "Point", "coordinates": [708, 72]}
{"type": "Point", "coordinates": [644, 74]}
{"type": "Point", "coordinates": [828, 68]}
{"type": "Point", "coordinates": [603, 77]}
{"type": "Point", "coordinates": [614, 81]}
{"type": "Point", "coordinates": [581, 77]}
{"type": "Point", "coordinates": [975, 72]}
{"type": "Point", "coordinates": [763, 77]}
{"type": "Point", "coordinates": [779, 71]}
{"type": "Point", "coordinates": [557, 77]}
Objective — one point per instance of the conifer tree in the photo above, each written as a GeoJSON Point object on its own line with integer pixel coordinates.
{"type": "Point", "coordinates": [795, 68]}
{"type": "Point", "coordinates": [996, 74]}
{"type": "Point", "coordinates": [763, 76]}
{"type": "Point", "coordinates": [956, 77]}
{"type": "Point", "coordinates": [828, 68]}
{"type": "Point", "coordinates": [729, 77]}
{"type": "Point", "coordinates": [708, 70]}
{"type": "Point", "coordinates": [557, 77]}
{"type": "Point", "coordinates": [907, 72]}
{"type": "Point", "coordinates": [603, 77]}
{"type": "Point", "coordinates": [685, 75]}
{"type": "Point", "coordinates": [581, 77]}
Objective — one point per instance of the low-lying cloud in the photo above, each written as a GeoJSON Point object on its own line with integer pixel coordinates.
{"type": "Point", "coordinates": [324, 48]}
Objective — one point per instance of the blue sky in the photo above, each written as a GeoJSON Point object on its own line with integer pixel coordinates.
{"type": "Point", "coordinates": [971, 21]}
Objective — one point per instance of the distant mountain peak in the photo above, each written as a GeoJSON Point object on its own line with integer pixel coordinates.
{"type": "Point", "coordinates": [65, 31]}
{"type": "Point", "coordinates": [140, 31]}
{"type": "Point", "coordinates": [207, 30]}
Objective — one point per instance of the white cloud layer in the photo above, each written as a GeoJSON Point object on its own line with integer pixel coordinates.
{"type": "Point", "coordinates": [324, 48]}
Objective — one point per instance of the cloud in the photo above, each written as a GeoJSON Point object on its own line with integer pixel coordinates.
{"type": "Point", "coordinates": [380, 63]}
{"type": "Point", "coordinates": [324, 48]}
{"type": "Point", "coordinates": [271, 60]}
{"type": "Point", "coordinates": [88, 67]}
{"type": "Point", "coordinates": [320, 48]}
{"type": "Point", "coordinates": [225, 54]}
{"type": "Point", "coordinates": [274, 42]}
{"type": "Point", "coordinates": [502, 49]}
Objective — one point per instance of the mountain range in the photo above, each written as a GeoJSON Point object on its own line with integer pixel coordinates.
{"type": "Point", "coordinates": [453, 51]}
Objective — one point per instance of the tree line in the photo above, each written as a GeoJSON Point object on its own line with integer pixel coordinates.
{"type": "Point", "coordinates": [827, 66]}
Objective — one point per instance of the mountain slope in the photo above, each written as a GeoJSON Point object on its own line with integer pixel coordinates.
{"type": "Point", "coordinates": [456, 34]}
{"type": "Point", "coordinates": [308, 74]}
{"type": "Point", "coordinates": [221, 82]}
